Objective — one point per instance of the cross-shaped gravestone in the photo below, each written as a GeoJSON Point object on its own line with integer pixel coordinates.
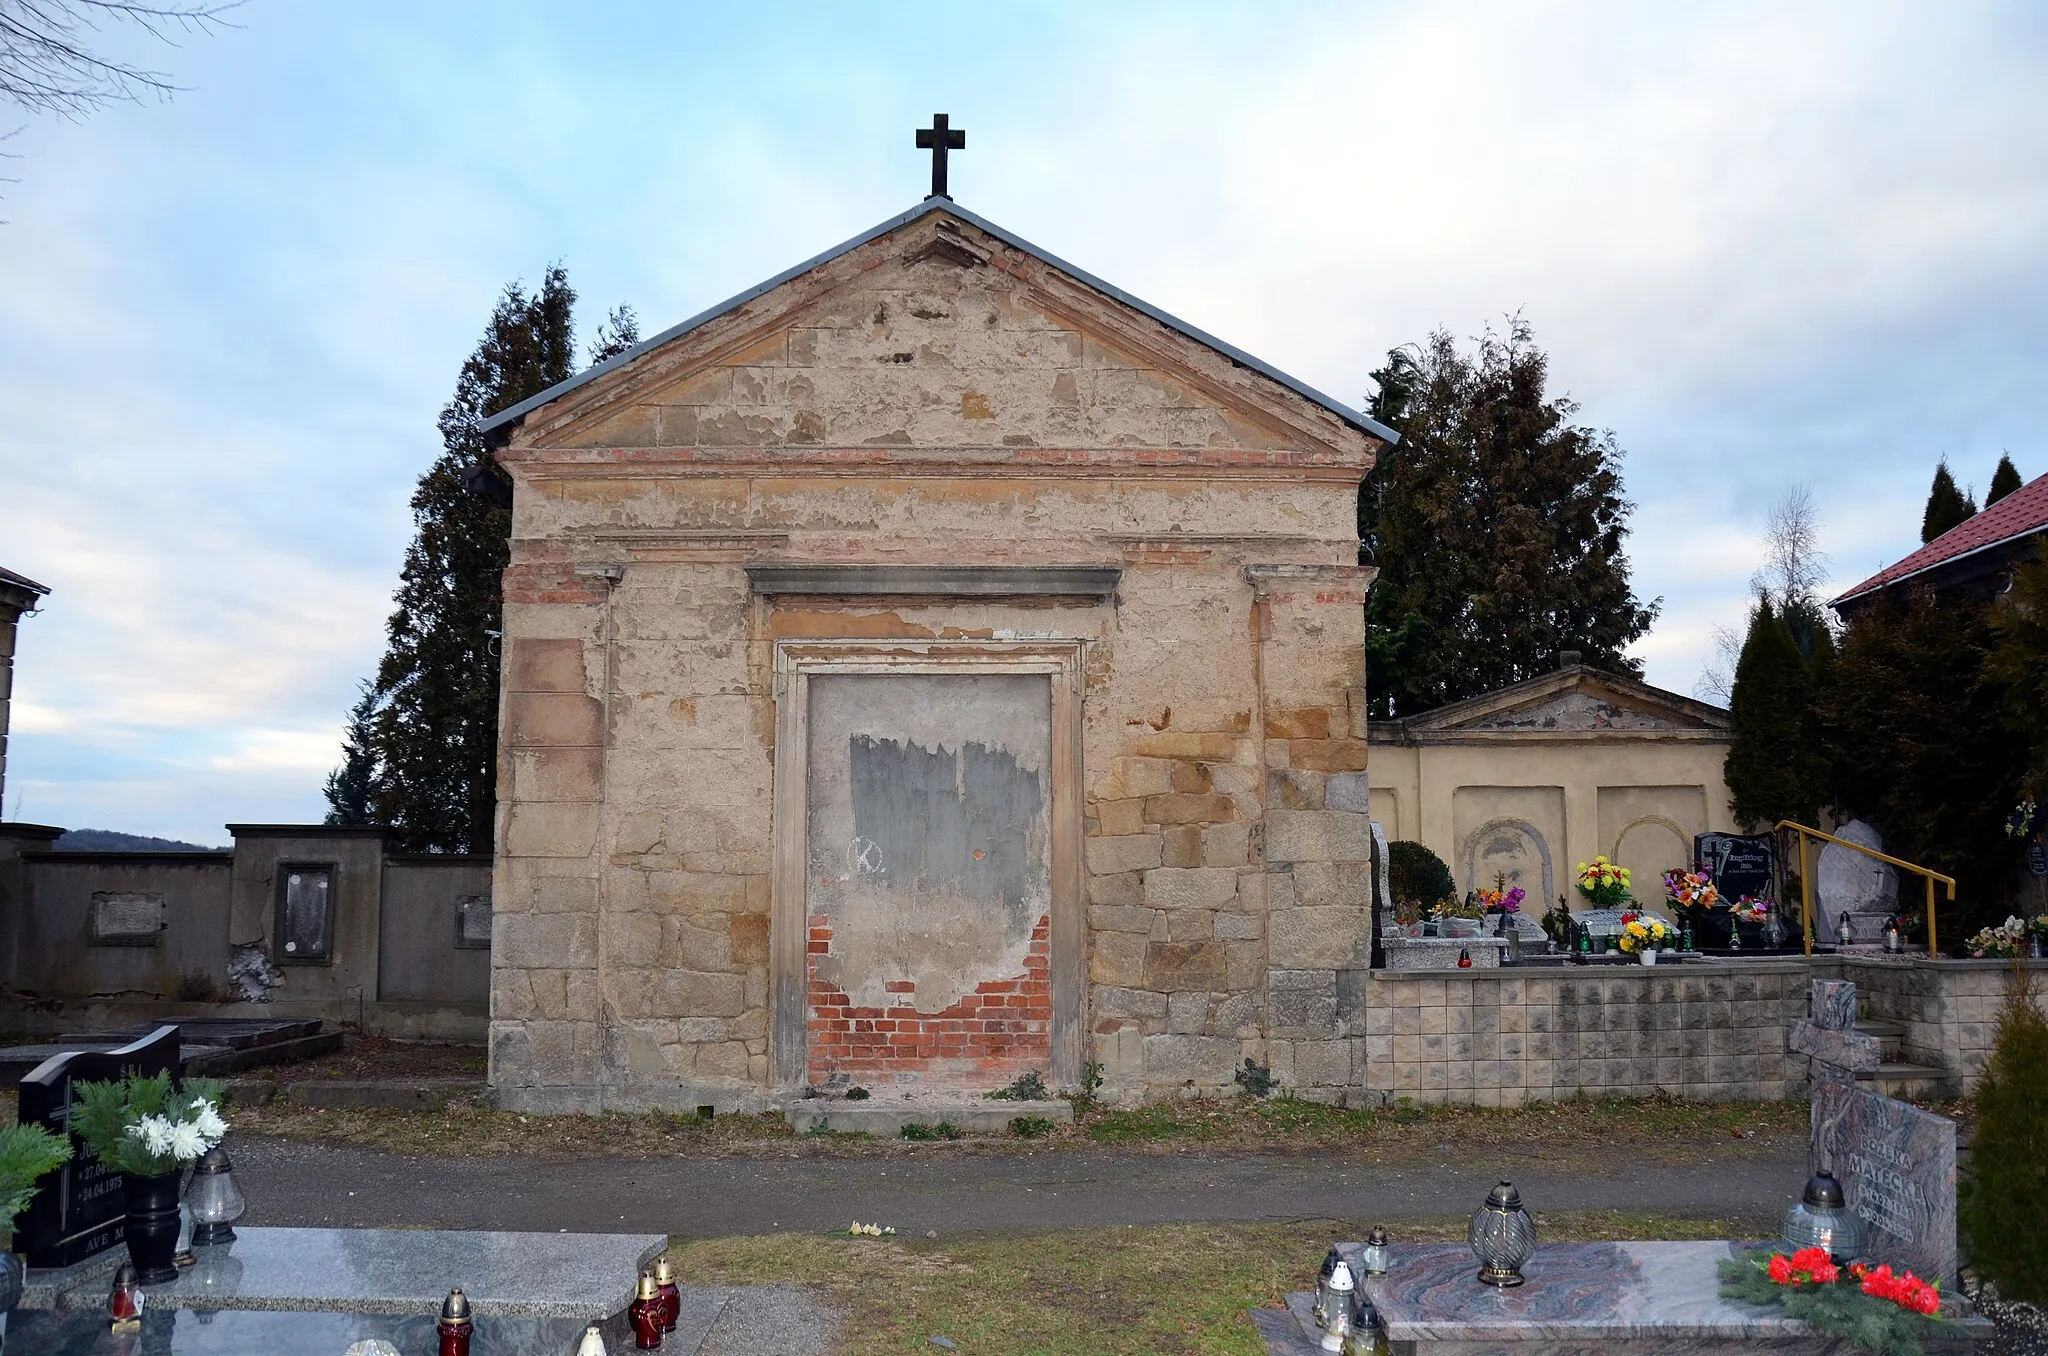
{"type": "Point", "coordinates": [1897, 1163]}
{"type": "Point", "coordinates": [938, 139]}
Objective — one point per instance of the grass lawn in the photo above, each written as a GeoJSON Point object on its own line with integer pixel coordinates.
{"type": "Point", "coordinates": [1180, 1288]}
{"type": "Point", "coordinates": [1663, 1129]}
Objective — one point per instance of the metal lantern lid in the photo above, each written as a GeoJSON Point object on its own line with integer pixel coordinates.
{"type": "Point", "coordinates": [1340, 1280]}
{"type": "Point", "coordinates": [664, 1272]}
{"type": "Point", "coordinates": [1821, 1218]}
{"type": "Point", "coordinates": [455, 1309]}
{"type": "Point", "coordinates": [1377, 1238]}
{"type": "Point", "coordinates": [212, 1161]}
{"type": "Point", "coordinates": [1504, 1197]}
{"type": "Point", "coordinates": [1331, 1261]}
{"type": "Point", "coordinates": [648, 1289]}
{"type": "Point", "coordinates": [1823, 1192]}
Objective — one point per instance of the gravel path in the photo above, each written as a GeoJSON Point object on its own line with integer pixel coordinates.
{"type": "Point", "coordinates": [295, 1183]}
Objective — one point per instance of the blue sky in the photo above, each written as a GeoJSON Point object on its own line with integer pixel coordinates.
{"type": "Point", "coordinates": [1763, 243]}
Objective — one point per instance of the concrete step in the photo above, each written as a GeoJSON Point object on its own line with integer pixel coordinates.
{"type": "Point", "coordinates": [1887, 1034]}
{"type": "Point", "coordinates": [1908, 1081]}
{"type": "Point", "coordinates": [885, 1119]}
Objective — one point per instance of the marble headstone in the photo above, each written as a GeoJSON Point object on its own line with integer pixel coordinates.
{"type": "Point", "coordinates": [1607, 922]}
{"type": "Point", "coordinates": [1740, 863]}
{"type": "Point", "coordinates": [1829, 1038]}
{"type": "Point", "coordinates": [1897, 1166]}
{"type": "Point", "coordinates": [1849, 882]}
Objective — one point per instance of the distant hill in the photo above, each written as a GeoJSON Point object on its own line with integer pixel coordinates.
{"type": "Point", "coordinates": [107, 840]}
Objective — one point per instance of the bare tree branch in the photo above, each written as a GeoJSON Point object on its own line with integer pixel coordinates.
{"type": "Point", "coordinates": [47, 64]}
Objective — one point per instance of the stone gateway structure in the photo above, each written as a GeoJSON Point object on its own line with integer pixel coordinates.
{"type": "Point", "coordinates": [930, 665]}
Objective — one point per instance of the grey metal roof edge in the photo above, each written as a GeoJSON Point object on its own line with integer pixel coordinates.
{"type": "Point", "coordinates": [513, 413]}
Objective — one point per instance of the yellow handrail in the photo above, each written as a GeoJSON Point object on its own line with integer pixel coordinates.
{"type": "Point", "coordinates": [1806, 880]}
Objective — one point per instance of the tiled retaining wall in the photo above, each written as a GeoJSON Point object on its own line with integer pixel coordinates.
{"type": "Point", "coordinates": [1707, 1031]}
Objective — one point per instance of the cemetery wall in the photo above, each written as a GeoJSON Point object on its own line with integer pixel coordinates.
{"type": "Point", "coordinates": [1949, 1008]}
{"type": "Point", "coordinates": [121, 937]}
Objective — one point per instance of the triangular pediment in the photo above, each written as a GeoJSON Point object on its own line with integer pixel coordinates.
{"type": "Point", "coordinates": [940, 332]}
{"type": "Point", "coordinates": [1572, 703]}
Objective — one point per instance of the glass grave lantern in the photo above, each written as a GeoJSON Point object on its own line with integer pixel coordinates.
{"type": "Point", "coordinates": [1337, 1320]}
{"type": "Point", "coordinates": [1331, 1261]}
{"type": "Point", "coordinates": [1367, 1337]}
{"type": "Point", "coordinates": [1376, 1256]}
{"type": "Point", "coordinates": [1503, 1236]}
{"type": "Point", "coordinates": [214, 1199]}
{"type": "Point", "coordinates": [1822, 1219]}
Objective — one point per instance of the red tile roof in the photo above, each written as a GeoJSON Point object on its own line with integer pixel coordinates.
{"type": "Point", "coordinates": [2019, 514]}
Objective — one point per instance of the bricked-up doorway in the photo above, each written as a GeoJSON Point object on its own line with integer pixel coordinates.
{"type": "Point", "coordinates": [929, 818]}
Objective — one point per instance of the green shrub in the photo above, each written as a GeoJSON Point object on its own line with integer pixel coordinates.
{"type": "Point", "coordinates": [1030, 1127]}
{"type": "Point", "coordinates": [1255, 1078]}
{"type": "Point", "coordinates": [27, 1152]}
{"type": "Point", "coordinates": [943, 1130]}
{"type": "Point", "coordinates": [1415, 873]}
{"type": "Point", "coordinates": [1028, 1087]}
{"type": "Point", "coordinates": [2002, 1206]}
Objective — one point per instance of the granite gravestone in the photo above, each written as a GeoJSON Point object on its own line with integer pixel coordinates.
{"type": "Point", "coordinates": [1896, 1163]}
{"type": "Point", "coordinates": [79, 1209]}
{"type": "Point", "coordinates": [1849, 882]}
{"type": "Point", "coordinates": [1740, 863]}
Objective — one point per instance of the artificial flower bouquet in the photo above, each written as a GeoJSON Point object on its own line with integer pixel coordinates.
{"type": "Point", "coordinates": [2003, 942]}
{"type": "Point", "coordinates": [1691, 889]}
{"type": "Point", "coordinates": [148, 1127]}
{"type": "Point", "coordinates": [1752, 910]}
{"type": "Point", "coordinates": [1503, 901]}
{"type": "Point", "coordinates": [1469, 907]}
{"type": "Point", "coordinates": [1643, 932]}
{"type": "Point", "coordinates": [1874, 1307]}
{"type": "Point", "coordinates": [1603, 882]}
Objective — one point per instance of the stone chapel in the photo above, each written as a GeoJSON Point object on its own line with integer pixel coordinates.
{"type": "Point", "coordinates": [930, 665]}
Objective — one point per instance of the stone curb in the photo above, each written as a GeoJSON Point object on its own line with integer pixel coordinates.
{"type": "Point", "coordinates": [886, 1121]}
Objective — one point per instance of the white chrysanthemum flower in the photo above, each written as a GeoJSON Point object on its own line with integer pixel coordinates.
{"type": "Point", "coordinates": [210, 1124]}
{"type": "Point", "coordinates": [155, 1134]}
{"type": "Point", "coordinates": [186, 1142]}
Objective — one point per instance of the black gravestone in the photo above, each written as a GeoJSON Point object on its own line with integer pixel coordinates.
{"type": "Point", "coordinates": [1740, 863]}
{"type": "Point", "coordinates": [80, 1208]}
{"type": "Point", "coordinates": [2037, 859]}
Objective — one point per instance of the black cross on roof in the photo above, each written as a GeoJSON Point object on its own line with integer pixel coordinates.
{"type": "Point", "coordinates": [938, 139]}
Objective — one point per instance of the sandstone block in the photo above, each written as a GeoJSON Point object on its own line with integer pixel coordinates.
{"type": "Point", "coordinates": [681, 993]}
{"type": "Point", "coordinates": [1308, 722]}
{"type": "Point", "coordinates": [1120, 818]}
{"type": "Point", "coordinates": [536, 665]}
{"type": "Point", "coordinates": [632, 938]}
{"type": "Point", "coordinates": [1124, 890]}
{"type": "Point", "coordinates": [1187, 1013]}
{"type": "Point", "coordinates": [552, 718]}
{"type": "Point", "coordinates": [1190, 888]}
{"type": "Point", "coordinates": [1327, 755]}
{"type": "Point", "coordinates": [1117, 958]}
{"type": "Point", "coordinates": [1317, 836]}
{"type": "Point", "coordinates": [1237, 927]}
{"type": "Point", "coordinates": [1191, 778]}
{"type": "Point", "coordinates": [1349, 791]}
{"type": "Point", "coordinates": [574, 772]}
{"type": "Point", "coordinates": [1108, 856]}
{"type": "Point", "coordinates": [552, 829]}
{"type": "Point", "coordinates": [1326, 938]}
{"type": "Point", "coordinates": [698, 1030]}
{"type": "Point", "coordinates": [1214, 748]}
{"type": "Point", "coordinates": [1115, 919]}
{"type": "Point", "coordinates": [1135, 778]}
{"type": "Point", "coordinates": [1205, 1061]}
{"type": "Point", "coordinates": [1325, 1064]}
{"type": "Point", "coordinates": [1225, 845]}
{"type": "Point", "coordinates": [1236, 1016]}
{"type": "Point", "coordinates": [1111, 1001]}
{"type": "Point", "coordinates": [748, 935]}
{"type": "Point", "coordinates": [1320, 883]}
{"type": "Point", "coordinates": [545, 940]}
{"type": "Point", "coordinates": [698, 892]}
{"type": "Point", "coordinates": [1190, 809]}
{"type": "Point", "coordinates": [1121, 1053]}
{"type": "Point", "coordinates": [1181, 966]}
{"type": "Point", "coordinates": [1183, 925]}
{"type": "Point", "coordinates": [1182, 846]}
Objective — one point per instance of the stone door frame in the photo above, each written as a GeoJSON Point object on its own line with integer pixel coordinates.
{"type": "Point", "coordinates": [795, 663]}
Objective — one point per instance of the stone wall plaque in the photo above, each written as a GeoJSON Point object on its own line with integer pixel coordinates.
{"type": "Point", "coordinates": [79, 1209]}
{"type": "Point", "coordinates": [1897, 1166]}
{"type": "Point", "coordinates": [127, 917]}
{"type": "Point", "coordinates": [473, 923]}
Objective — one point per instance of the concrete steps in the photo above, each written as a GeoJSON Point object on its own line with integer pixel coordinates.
{"type": "Point", "coordinates": [1897, 1077]}
{"type": "Point", "coordinates": [885, 1118]}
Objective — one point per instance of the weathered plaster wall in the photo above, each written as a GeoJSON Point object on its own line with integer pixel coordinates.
{"type": "Point", "coordinates": [1638, 799]}
{"type": "Point", "coordinates": [899, 406]}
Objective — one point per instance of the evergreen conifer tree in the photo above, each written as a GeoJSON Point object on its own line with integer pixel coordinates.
{"type": "Point", "coordinates": [2004, 481]}
{"type": "Point", "coordinates": [2002, 1206]}
{"type": "Point", "coordinates": [1769, 769]}
{"type": "Point", "coordinates": [435, 723]}
{"type": "Point", "coordinates": [1947, 508]}
{"type": "Point", "coordinates": [1497, 525]}
{"type": "Point", "coordinates": [352, 787]}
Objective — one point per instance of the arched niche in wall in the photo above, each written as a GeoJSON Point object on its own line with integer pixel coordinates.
{"type": "Point", "coordinates": [1648, 846]}
{"type": "Point", "coordinates": [1511, 847]}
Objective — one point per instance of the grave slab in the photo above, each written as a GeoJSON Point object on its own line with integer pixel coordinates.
{"type": "Point", "coordinates": [1586, 1299]}
{"type": "Point", "coordinates": [174, 1332]}
{"type": "Point", "coordinates": [405, 1271]}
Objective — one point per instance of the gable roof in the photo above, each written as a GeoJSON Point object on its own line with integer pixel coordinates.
{"type": "Point", "coordinates": [2022, 513]}
{"type": "Point", "coordinates": [498, 428]}
{"type": "Point", "coordinates": [1571, 703]}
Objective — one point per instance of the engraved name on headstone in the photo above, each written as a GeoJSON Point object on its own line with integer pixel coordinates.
{"type": "Point", "coordinates": [79, 1209]}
